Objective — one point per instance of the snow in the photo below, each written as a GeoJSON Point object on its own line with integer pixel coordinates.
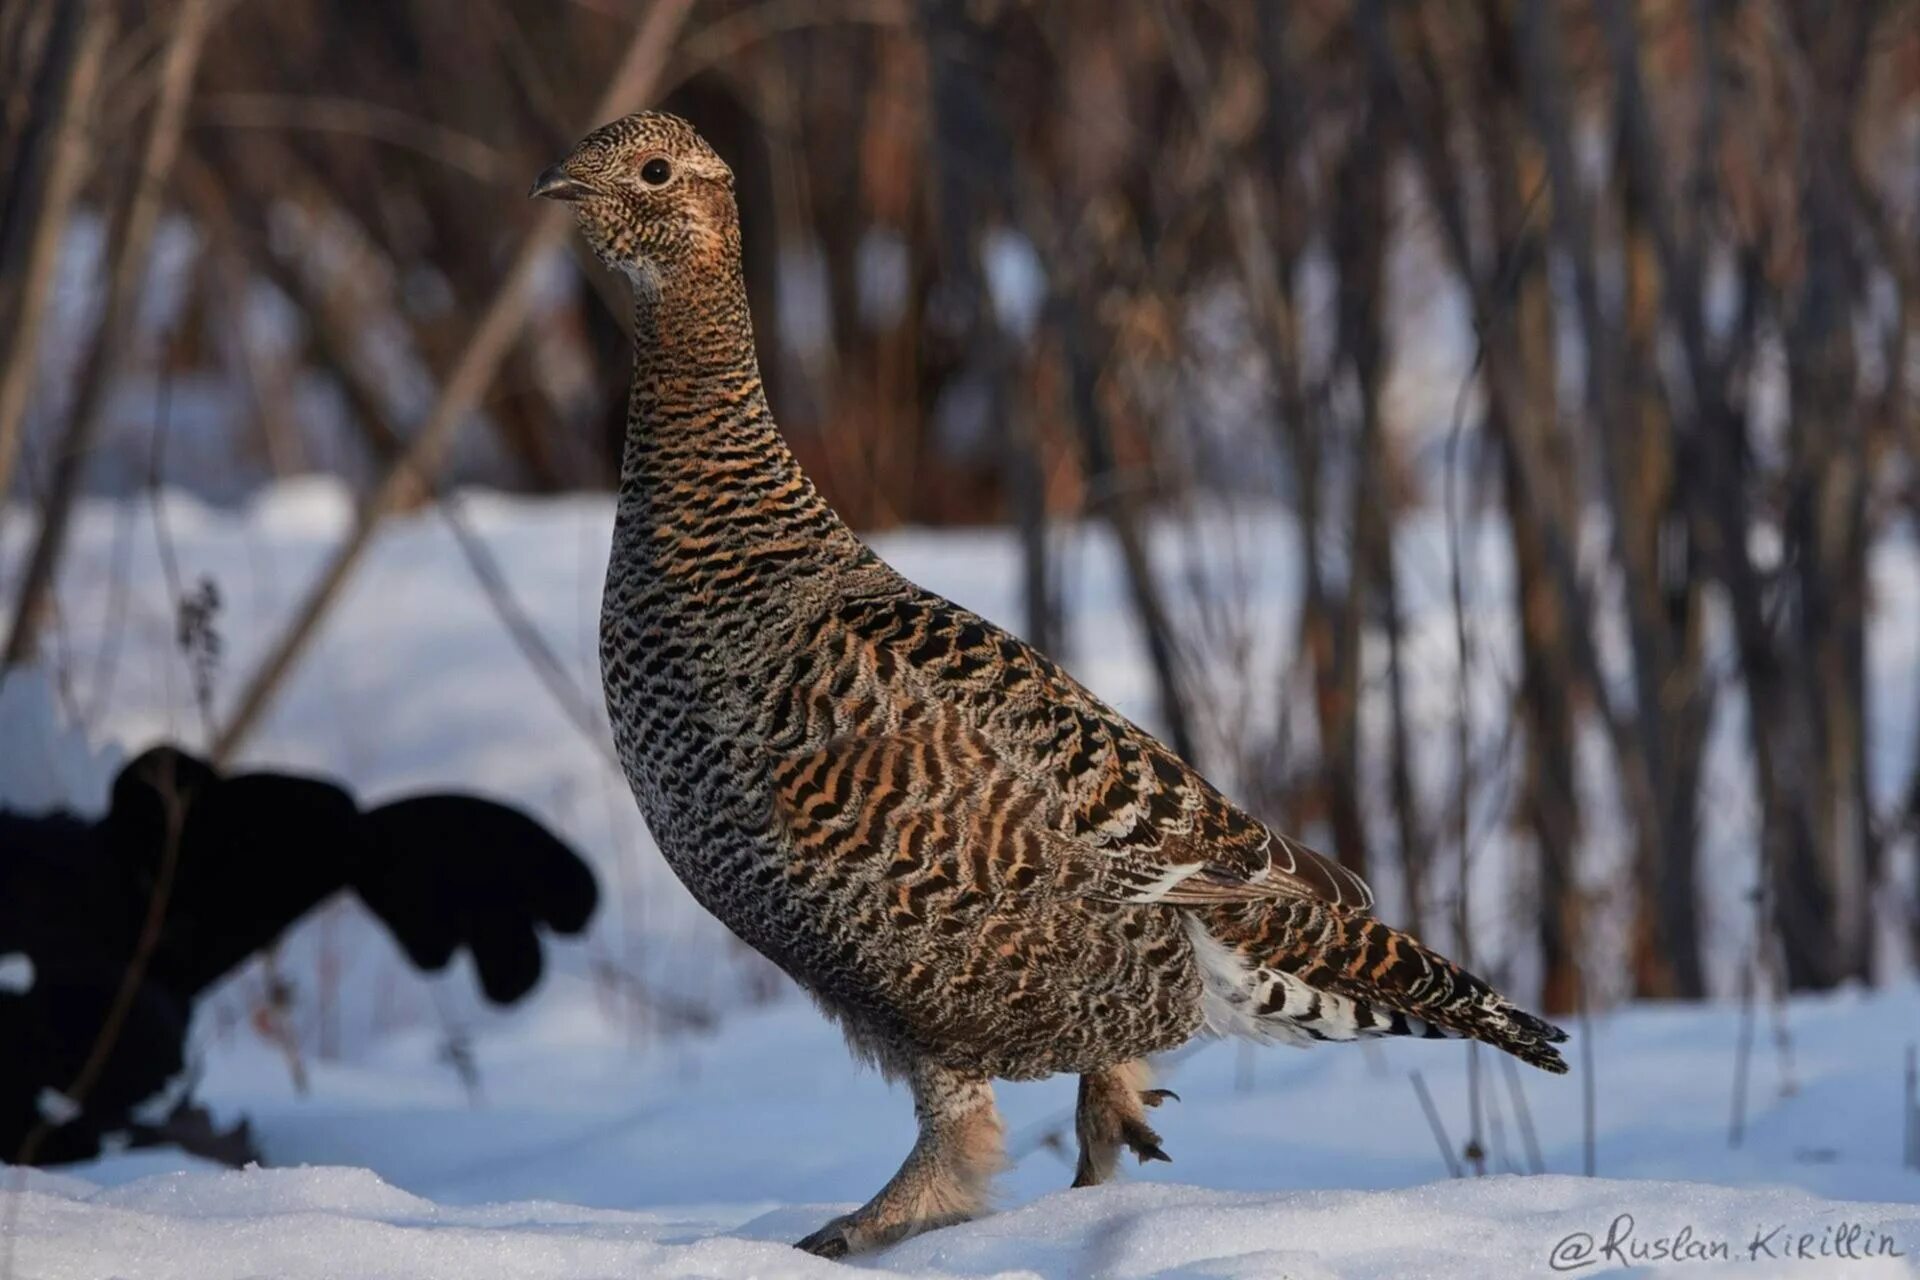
{"type": "Point", "coordinates": [705, 1155]}
{"type": "Point", "coordinates": [341, 1224]}
{"type": "Point", "coordinates": [46, 761]}
{"type": "Point", "coordinates": [599, 1136]}
{"type": "Point", "coordinates": [16, 973]}
{"type": "Point", "coordinates": [55, 1107]}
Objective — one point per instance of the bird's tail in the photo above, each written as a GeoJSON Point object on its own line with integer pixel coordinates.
{"type": "Point", "coordinates": [1299, 970]}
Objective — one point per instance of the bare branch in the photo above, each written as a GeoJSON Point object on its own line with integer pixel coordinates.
{"type": "Point", "coordinates": [498, 328]}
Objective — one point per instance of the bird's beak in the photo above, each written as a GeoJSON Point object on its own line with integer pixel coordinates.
{"type": "Point", "coordinates": [557, 184]}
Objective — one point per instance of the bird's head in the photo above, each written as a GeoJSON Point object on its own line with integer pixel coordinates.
{"type": "Point", "coordinates": [651, 197]}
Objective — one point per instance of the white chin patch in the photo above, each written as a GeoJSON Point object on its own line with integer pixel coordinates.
{"type": "Point", "coordinates": [645, 278]}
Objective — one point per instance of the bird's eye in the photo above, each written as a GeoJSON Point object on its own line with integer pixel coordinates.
{"type": "Point", "coordinates": [655, 172]}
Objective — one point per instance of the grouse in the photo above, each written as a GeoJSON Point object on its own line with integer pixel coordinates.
{"type": "Point", "coordinates": [198, 870]}
{"type": "Point", "coordinates": [972, 863]}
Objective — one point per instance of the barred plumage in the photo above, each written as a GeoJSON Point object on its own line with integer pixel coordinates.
{"type": "Point", "coordinates": [971, 861]}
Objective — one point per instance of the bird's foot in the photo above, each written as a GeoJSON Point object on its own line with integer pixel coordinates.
{"type": "Point", "coordinates": [944, 1178]}
{"type": "Point", "coordinates": [1143, 1142]}
{"type": "Point", "coordinates": [830, 1241]}
{"type": "Point", "coordinates": [862, 1232]}
{"type": "Point", "coordinates": [1111, 1116]}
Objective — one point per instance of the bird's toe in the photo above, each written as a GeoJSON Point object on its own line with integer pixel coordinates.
{"type": "Point", "coordinates": [830, 1241]}
{"type": "Point", "coordinates": [1143, 1142]}
{"type": "Point", "coordinates": [864, 1231]}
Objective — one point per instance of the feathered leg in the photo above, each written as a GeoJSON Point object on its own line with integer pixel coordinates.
{"type": "Point", "coordinates": [945, 1177]}
{"type": "Point", "coordinates": [1111, 1114]}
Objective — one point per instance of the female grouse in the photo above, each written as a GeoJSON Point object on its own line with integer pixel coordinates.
{"type": "Point", "coordinates": [969, 860]}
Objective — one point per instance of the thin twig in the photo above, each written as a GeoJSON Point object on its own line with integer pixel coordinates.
{"type": "Point", "coordinates": [163, 540]}
{"type": "Point", "coordinates": [1589, 1156]}
{"type": "Point", "coordinates": [1913, 1108]}
{"type": "Point", "coordinates": [69, 152]}
{"type": "Point", "coordinates": [1523, 1116]}
{"type": "Point", "coordinates": [1440, 1138]}
{"type": "Point", "coordinates": [321, 113]}
{"type": "Point", "coordinates": [1742, 1057]}
{"type": "Point", "coordinates": [498, 329]}
{"type": "Point", "coordinates": [578, 707]}
{"type": "Point", "coordinates": [1496, 1136]}
{"type": "Point", "coordinates": [1782, 1029]}
{"type": "Point", "coordinates": [1463, 711]}
{"type": "Point", "coordinates": [725, 39]}
{"type": "Point", "coordinates": [137, 220]}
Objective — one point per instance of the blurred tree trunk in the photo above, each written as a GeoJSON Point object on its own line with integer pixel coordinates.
{"type": "Point", "coordinates": [1270, 268]}
{"type": "Point", "coordinates": [1523, 417]}
{"type": "Point", "coordinates": [1547, 692]}
{"type": "Point", "coordinates": [1813, 829]}
{"type": "Point", "coordinates": [1512, 302]}
{"type": "Point", "coordinates": [1666, 942]}
{"type": "Point", "coordinates": [1665, 603]}
{"type": "Point", "coordinates": [972, 152]}
{"type": "Point", "coordinates": [1648, 500]}
{"type": "Point", "coordinates": [1113, 499]}
{"type": "Point", "coordinates": [1898, 437]}
{"type": "Point", "coordinates": [1359, 237]}
{"type": "Point", "coordinates": [1409, 829]}
{"type": "Point", "coordinates": [47, 166]}
{"type": "Point", "coordinates": [1825, 524]}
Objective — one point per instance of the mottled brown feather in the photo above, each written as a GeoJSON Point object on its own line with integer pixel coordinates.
{"type": "Point", "coordinates": [971, 861]}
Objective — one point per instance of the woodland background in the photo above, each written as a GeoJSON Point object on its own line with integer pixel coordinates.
{"type": "Point", "coordinates": [1635, 286]}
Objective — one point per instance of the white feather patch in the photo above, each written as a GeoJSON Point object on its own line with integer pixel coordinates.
{"type": "Point", "coordinates": [1228, 993]}
{"type": "Point", "coordinates": [1167, 882]}
{"type": "Point", "coordinates": [1234, 994]}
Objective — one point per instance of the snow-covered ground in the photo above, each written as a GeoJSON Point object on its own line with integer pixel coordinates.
{"type": "Point", "coordinates": [704, 1156]}
{"type": "Point", "coordinates": [594, 1141]}
{"type": "Point", "coordinates": [340, 1223]}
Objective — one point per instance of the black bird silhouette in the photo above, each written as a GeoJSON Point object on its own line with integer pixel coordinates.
{"type": "Point", "coordinates": [239, 860]}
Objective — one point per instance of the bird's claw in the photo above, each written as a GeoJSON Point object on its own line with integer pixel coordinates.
{"type": "Point", "coordinates": [829, 1241]}
{"type": "Point", "coordinates": [864, 1231]}
{"type": "Point", "coordinates": [1143, 1142]}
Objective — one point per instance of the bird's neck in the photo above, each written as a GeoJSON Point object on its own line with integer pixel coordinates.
{"type": "Point", "coordinates": [704, 462]}
{"type": "Point", "coordinates": [695, 371]}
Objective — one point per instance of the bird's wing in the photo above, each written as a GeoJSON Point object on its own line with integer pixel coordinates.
{"type": "Point", "coordinates": [1167, 834]}
{"type": "Point", "coordinates": [931, 809]}
{"type": "Point", "coordinates": [1170, 836]}
{"type": "Point", "coordinates": [1095, 790]}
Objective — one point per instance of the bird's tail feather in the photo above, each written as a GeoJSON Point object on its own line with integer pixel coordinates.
{"type": "Point", "coordinates": [1300, 970]}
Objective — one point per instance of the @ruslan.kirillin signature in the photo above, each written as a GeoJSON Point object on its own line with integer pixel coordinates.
{"type": "Point", "coordinates": [1623, 1244]}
